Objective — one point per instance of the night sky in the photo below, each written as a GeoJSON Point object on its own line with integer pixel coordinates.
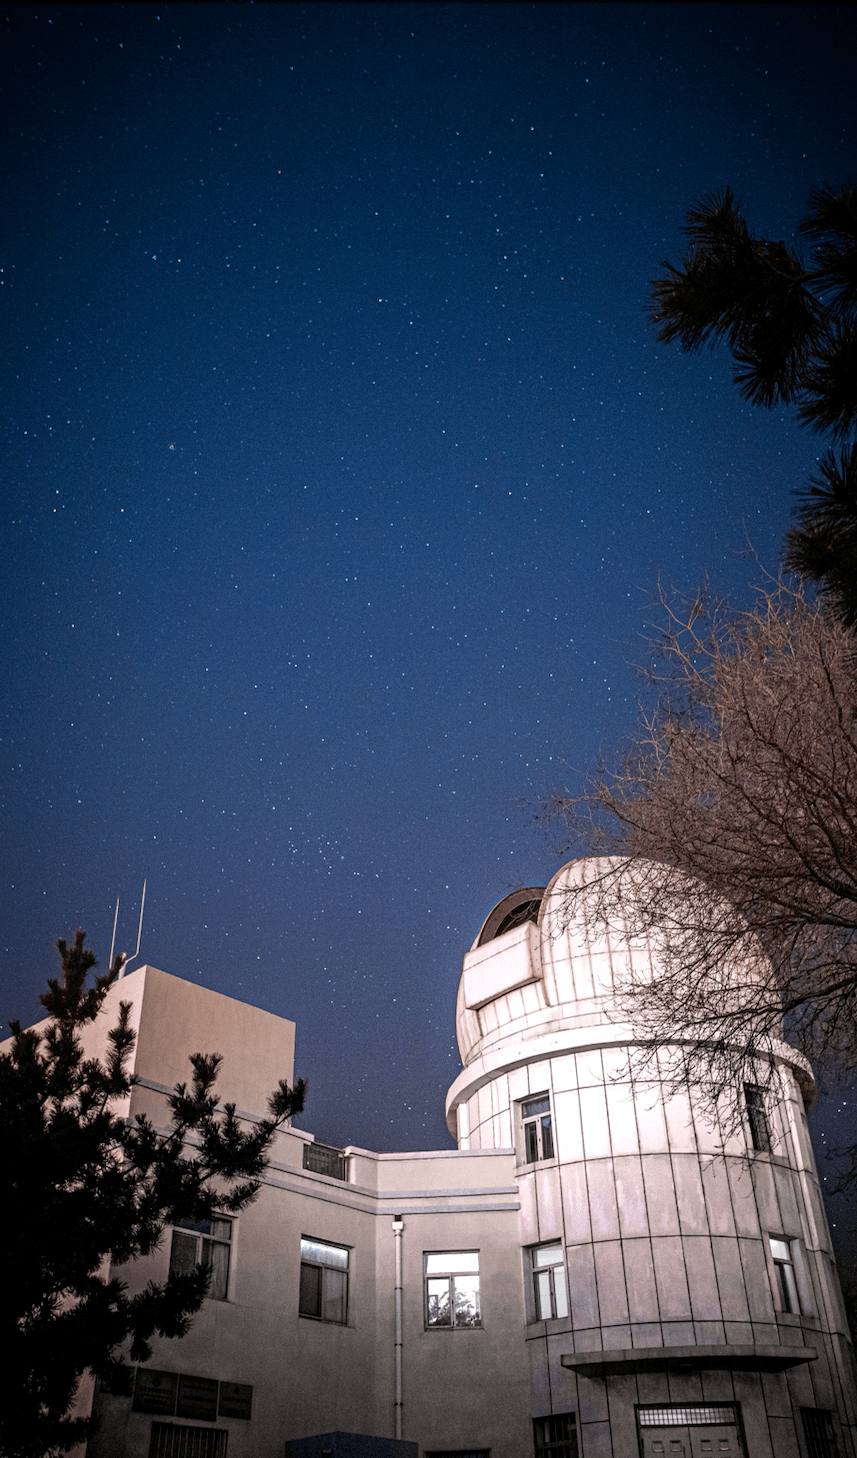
{"type": "Point", "coordinates": [340, 464]}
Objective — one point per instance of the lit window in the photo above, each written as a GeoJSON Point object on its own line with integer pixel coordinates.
{"type": "Point", "coordinates": [556, 1436]}
{"type": "Point", "coordinates": [760, 1132]}
{"type": "Point", "coordinates": [452, 1289]}
{"type": "Point", "coordinates": [205, 1243]}
{"type": "Point", "coordinates": [784, 1275]}
{"type": "Point", "coordinates": [324, 1281]}
{"type": "Point", "coordinates": [819, 1434]}
{"type": "Point", "coordinates": [538, 1129]}
{"type": "Point", "coordinates": [549, 1282]}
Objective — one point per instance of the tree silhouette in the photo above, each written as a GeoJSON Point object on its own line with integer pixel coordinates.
{"type": "Point", "coordinates": [791, 328]}
{"type": "Point", "coordinates": [88, 1190]}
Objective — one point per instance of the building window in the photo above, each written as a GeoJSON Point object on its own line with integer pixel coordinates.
{"type": "Point", "coordinates": [538, 1129]}
{"type": "Point", "coordinates": [549, 1282]}
{"type": "Point", "coordinates": [170, 1441]}
{"type": "Point", "coordinates": [452, 1289]}
{"type": "Point", "coordinates": [324, 1281]}
{"type": "Point", "coordinates": [784, 1275]}
{"type": "Point", "coordinates": [556, 1436]}
{"type": "Point", "coordinates": [206, 1243]}
{"type": "Point", "coordinates": [818, 1431]}
{"type": "Point", "coordinates": [760, 1133]}
{"type": "Point", "coordinates": [324, 1159]}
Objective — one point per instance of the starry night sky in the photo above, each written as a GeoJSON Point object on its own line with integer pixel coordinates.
{"type": "Point", "coordinates": [340, 464]}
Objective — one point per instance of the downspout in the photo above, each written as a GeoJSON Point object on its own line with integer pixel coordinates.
{"type": "Point", "coordinates": [398, 1227]}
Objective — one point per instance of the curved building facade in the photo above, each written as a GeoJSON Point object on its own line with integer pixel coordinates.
{"type": "Point", "coordinates": [680, 1287]}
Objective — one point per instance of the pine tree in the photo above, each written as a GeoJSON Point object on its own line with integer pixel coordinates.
{"type": "Point", "coordinates": [791, 327]}
{"type": "Point", "coordinates": [87, 1191]}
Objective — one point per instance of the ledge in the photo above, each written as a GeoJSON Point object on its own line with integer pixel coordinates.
{"type": "Point", "coordinates": [687, 1359]}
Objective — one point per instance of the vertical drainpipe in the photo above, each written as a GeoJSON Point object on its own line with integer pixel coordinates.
{"type": "Point", "coordinates": [398, 1227]}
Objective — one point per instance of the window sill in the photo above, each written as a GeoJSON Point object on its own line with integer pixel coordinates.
{"type": "Point", "coordinates": [480, 1327]}
{"type": "Point", "coordinates": [536, 1164]}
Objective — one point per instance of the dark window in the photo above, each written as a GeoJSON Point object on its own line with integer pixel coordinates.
{"type": "Point", "coordinates": [760, 1132]}
{"type": "Point", "coordinates": [556, 1436]}
{"type": "Point", "coordinates": [324, 1281]}
{"type": "Point", "coordinates": [538, 1129]}
{"type": "Point", "coordinates": [322, 1159]}
{"type": "Point", "coordinates": [207, 1243]}
{"type": "Point", "coordinates": [170, 1441]}
{"type": "Point", "coordinates": [452, 1288]}
{"type": "Point", "coordinates": [784, 1274]}
{"type": "Point", "coordinates": [549, 1282]}
{"type": "Point", "coordinates": [819, 1434]}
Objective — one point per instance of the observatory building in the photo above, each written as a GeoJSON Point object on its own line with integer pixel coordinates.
{"type": "Point", "coordinates": [594, 1272]}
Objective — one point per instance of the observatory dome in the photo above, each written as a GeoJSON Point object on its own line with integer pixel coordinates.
{"type": "Point", "coordinates": [539, 965]}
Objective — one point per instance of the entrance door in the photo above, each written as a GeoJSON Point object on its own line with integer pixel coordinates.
{"type": "Point", "coordinates": [689, 1442]}
{"type": "Point", "coordinates": [689, 1432]}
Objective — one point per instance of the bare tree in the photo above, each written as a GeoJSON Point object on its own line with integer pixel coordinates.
{"type": "Point", "coordinates": [731, 828]}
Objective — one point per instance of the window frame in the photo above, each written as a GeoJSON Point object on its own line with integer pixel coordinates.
{"type": "Point", "coordinates": [556, 1301]}
{"type": "Point", "coordinates": [537, 1135]}
{"type": "Point", "coordinates": [450, 1276]}
{"type": "Point", "coordinates": [787, 1287]}
{"type": "Point", "coordinates": [819, 1432]}
{"type": "Point", "coordinates": [327, 1283]}
{"type": "Point", "coordinates": [757, 1118]}
{"type": "Point", "coordinates": [206, 1241]}
{"type": "Point", "coordinates": [562, 1426]}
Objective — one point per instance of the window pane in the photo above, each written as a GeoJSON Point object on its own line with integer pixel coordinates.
{"type": "Point", "coordinates": [216, 1255]}
{"type": "Point", "coordinates": [547, 1138]}
{"type": "Point", "coordinates": [543, 1296]}
{"type": "Point", "coordinates": [310, 1297]}
{"type": "Point", "coordinates": [467, 1311]}
{"type": "Point", "coordinates": [437, 1306]}
{"type": "Point", "coordinates": [326, 1255]}
{"type": "Point", "coordinates": [531, 1140]}
{"type": "Point", "coordinates": [547, 1255]}
{"type": "Point", "coordinates": [333, 1289]}
{"type": "Point", "coordinates": [541, 1105]}
{"type": "Point", "coordinates": [452, 1261]}
{"type": "Point", "coordinates": [790, 1302]}
{"type": "Point", "coordinates": [560, 1296]}
{"type": "Point", "coordinates": [780, 1250]}
{"type": "Point", "coordinates": [221, 1229]}
{"type": "Point", "coordinates": [184, 1253]}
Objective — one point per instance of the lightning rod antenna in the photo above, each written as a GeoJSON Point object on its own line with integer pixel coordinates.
{"type": "Point", "coordinates": [136, 951]}
{"type": "Point", "coordinates": [113, 938]}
